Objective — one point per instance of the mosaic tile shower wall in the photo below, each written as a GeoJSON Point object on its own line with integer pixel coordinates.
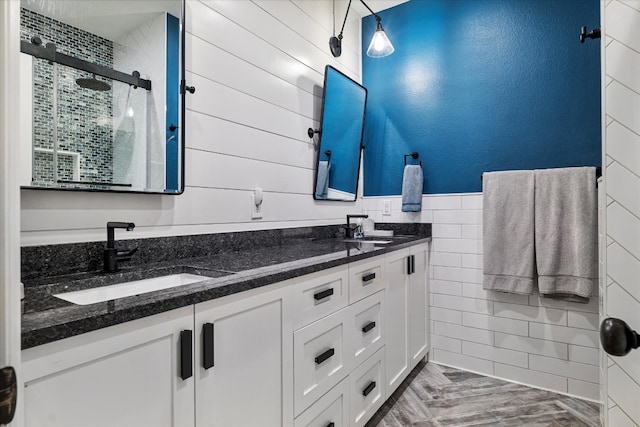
{"type": "Point", "coordinates": [83, 123]}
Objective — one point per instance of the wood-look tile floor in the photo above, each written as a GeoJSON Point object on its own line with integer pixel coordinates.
{"type": "Point", "coordinates": [438, 396]}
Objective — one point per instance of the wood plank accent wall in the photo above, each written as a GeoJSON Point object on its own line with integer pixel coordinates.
{"type": "Point", "coordinates": [258, 71]}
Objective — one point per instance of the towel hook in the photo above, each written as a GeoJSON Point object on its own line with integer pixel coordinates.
{"type": "Point", "coordinates": [312, 132]}
{"type": "Point", "coordinates": [328, 154]}
{"type": "Point", "coordinates": [413, 155]}
{"type": "Point", "coordinates": [593, 34]}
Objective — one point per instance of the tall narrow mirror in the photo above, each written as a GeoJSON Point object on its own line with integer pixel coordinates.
{"type": "Point", "coordinates": [101, 102]}
{"type": "Point", "coordinates": [341, 132]}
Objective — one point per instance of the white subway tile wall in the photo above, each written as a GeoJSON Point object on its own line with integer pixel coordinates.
{"type": "Point", "coordinates": [544, 343]}
{"type": "Point", "coordinates": [621, 135]}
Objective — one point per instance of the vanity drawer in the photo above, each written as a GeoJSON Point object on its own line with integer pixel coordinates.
{"type": "Point", "coordinates": [333, 407]}
{"type": "Point", "coordinates": [366, 327]}
{"type": "Point", "coordinates": [365, 278]}
{"type": "Point", "coordinates": [319, 294]}
{"type": "Point", "coordinates": [367, 390]}
{"type": "Point", "coordinates": [320, 358]}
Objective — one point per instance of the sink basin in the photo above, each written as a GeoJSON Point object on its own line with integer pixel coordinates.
{"type": "Point", "coordinates": [127, 289]}
{"type": "Point", "coordinates": [374, 242]}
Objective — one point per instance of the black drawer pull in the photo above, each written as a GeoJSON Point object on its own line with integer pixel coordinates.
{"type": "Point", "coordinates": [331, 424]}
{"type": "Point", "coordinates": [323, 294]}
{"type": "Point", "coordinates": [369, 388]}
{"type": "Point", "coordinates": [368, 277]}
{"type": "Point", "coordinates": [324, 356]}
{"type": "Point", "coordinates": [186, 354]}
{"type": "Point", "coordinates": [207, 346]}
{"type": "Point", "coordinates": [369, 326]}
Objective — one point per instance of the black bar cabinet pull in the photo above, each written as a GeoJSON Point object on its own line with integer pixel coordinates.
{"type": "Point", "coordinates": [413, 264]}
{"type": "Point", "coordinates": [369, 388]}
{"type": "Point", "coordinates": [408, 265]}
{"type": "Point", "coordinates": [207, 346]}
{"type": "Point", "coordinates": [368, 277]}
{"type": "Point", "coordinates": [324, 356]}
{"type": "Point", "coordinates": [323, 294]}
{"type": "Point", "coordinates": [369, 326]}
{"type": "Point", "coordinates": [331, 424]}
{"type": "Point", "coordinates": [186, 354]}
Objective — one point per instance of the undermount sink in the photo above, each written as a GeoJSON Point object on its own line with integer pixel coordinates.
{"type": "Point", "coordinates": [127, 289]}
{"type": "Point", "coordinates": [374, 242]}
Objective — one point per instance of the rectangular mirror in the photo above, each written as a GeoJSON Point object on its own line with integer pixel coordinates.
{"type": "Point", "coordinates": [101, 102]}
{"type": "Point", "coordinates": [341, 131]}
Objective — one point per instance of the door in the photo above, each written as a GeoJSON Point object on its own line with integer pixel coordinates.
{"type": "Point", "coordinates": [244, 361]}
{"type": "Point", "coordinates": [136, 374]}
{"type": "Point", "coordinates": [417, 304]}
{"type": "Point", "coordinates": [621, 137]}
{"type": "Point", "coordinates": [397, 339]}
{"type": "Point", "coordinates": [9, 214]}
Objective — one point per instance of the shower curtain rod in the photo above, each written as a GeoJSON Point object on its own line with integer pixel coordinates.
{"type": "Point", "coordinates": [48, 52]}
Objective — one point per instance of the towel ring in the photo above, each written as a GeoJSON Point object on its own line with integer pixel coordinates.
{"type": "Point", "coordinates": [414, 156]}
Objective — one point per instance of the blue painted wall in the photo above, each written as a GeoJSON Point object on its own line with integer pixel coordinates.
{"type": "Point", "coordinates": [481, 85]}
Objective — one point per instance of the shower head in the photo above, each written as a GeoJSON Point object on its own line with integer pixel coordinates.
{"type": "Point", "coordinates": [93, 84]}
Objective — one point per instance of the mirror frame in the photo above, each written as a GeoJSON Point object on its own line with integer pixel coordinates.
{"type": "Point", "coordinates": [183, 88]}
{"type": "Point", "coordinates": [322, 123]}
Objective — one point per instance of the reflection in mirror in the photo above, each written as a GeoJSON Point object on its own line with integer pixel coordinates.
{"type": "Point", "coordinates": [100, 95]}
{"type": "Point", "coordinates": [342, 126]}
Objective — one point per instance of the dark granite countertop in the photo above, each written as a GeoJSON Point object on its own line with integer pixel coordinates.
{"type": "Point", "coordinates": [47, 318]}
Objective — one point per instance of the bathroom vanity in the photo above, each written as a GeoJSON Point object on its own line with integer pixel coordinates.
{"type": "Point", "coordinates": [314, 339]}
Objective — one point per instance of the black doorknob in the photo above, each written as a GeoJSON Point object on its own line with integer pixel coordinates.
{"type": "Point", "coordinates": [617, 338]}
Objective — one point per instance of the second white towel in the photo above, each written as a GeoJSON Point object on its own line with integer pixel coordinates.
{"type": "Point", "coordinates": [566, 232]}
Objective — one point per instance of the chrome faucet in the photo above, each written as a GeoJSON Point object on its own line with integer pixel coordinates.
{"type": "Point", "coordinates": [358, 229]}
{"type": "Point", "coordinates": [111, 254]}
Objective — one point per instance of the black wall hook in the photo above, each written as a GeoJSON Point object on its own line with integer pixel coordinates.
{"type": "Point", "coordinates": [312, 132]}
{"type": "Point", "coordinates": [413, 155]}
{"type": "Point", "coordinates": [593, 34]}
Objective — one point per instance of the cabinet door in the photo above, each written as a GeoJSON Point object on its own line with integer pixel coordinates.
{"type": "Point", "coordinates": [397, 340]}
{"type": "Point", "coordinates": [417, 304]}
{"type": "Point", "coordinates": [244, 360]}
{"type": "Point", "coordinates": [123, 375]}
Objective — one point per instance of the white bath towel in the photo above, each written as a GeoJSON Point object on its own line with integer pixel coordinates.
{"type": "Point", "coordinates": [566, 233]}
{"type": "Point", "coordinates": [508, 226]}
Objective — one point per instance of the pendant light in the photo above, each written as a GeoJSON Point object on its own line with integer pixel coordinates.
{"type": "Point", "coordinates": [380, 45]}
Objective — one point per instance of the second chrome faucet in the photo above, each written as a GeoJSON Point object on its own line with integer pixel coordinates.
{"type": "Point", "coordinates": [111, 254]}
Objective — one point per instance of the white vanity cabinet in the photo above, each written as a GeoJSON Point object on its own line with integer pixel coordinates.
{"type": "Point", "coordinates": [322, 349]}
{"type": "Point", "coordinates": [124, 375]}
{"type": "Point", "coordinates": [244, 359]}
{"type": "Point", "coordinates": [407, 311]}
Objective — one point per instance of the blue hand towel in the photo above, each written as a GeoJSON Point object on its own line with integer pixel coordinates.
{"type": "Point", "coordinates": [412, 188]}
{"type": "Point", "coordinates": [322, 185]}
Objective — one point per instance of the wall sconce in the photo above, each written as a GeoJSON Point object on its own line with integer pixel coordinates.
{"type": "Point", "coordinates": [380, 45]}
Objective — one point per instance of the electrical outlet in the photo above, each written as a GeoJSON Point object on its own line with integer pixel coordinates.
{"type": "Point", "coordinates": [256, 210]}
{"type": "Point", "coordinates": [386, 207]}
